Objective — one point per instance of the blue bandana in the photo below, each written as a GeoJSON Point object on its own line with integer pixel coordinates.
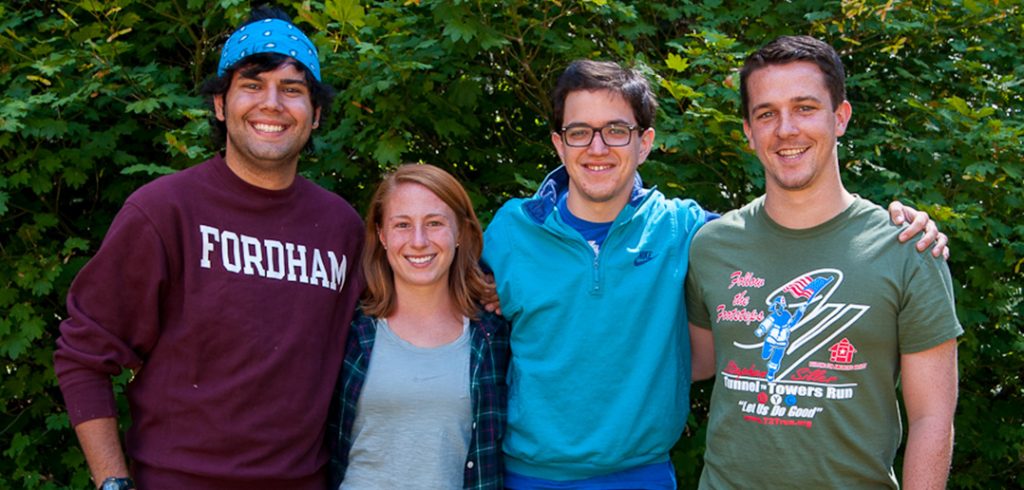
{"type": "Point", "coordinates": [269, 36]}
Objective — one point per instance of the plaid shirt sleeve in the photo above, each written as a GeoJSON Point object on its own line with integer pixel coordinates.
{"type": "Point", "coordinates": [488, 366]}
{"type": "Point", "coordinates": [350, 385]}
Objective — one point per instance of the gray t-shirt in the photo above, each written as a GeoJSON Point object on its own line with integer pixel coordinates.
{"type": "Point", "coordinates": [412, 426]}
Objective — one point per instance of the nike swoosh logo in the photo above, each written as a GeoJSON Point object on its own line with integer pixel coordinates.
{"type": "Point", "coordinates": [643, 258]}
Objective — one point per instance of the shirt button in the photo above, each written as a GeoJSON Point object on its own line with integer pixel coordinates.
{"type": "Point", "coordinates": [469, 465]}
{"type": "Point", "coordinates": [474, 425]}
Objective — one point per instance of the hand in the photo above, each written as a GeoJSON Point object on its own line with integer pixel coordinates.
{"type": "Point", "coordinates": [919, 221]}
{"type": "Point", "coordinates": [490, 297]}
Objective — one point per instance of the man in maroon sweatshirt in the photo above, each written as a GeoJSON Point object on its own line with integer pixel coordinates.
{"type": "Point", "coordinates": [227, 289]}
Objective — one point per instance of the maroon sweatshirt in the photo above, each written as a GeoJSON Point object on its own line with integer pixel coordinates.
{"type": "Point", "coordinates": [231, 303]}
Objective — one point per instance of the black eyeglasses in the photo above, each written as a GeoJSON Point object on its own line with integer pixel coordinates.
{"type": "Point", "coordinates": [611, 135]}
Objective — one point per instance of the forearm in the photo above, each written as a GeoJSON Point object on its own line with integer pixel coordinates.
{"type": "Point", "coordinates": [702, 359]}
{"type": "Point", "coordinates": [102, 447]}
{"type": "Point", "coordinates": [929, 381]}
{"type": "Point", "coordinates": [928, 454]}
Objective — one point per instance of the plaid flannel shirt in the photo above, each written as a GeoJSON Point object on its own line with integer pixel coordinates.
{"type": "Point", "coordinates": [488, 364]}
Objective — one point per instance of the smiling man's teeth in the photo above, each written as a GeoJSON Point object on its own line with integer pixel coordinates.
{"type": "Point", "coordinates": [598, 168]}
{"type": "Point", "coordinates": [268, 128]}
{"type": "Point", "coordinates": [420, 260]}
{"type": "Point", "coordinates": [791, 152]}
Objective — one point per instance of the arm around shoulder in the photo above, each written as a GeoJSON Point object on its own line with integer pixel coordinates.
{"type": "Point", "coordinates": [929, 382]}
{"type": "Point", "coordinates": [919, 222]}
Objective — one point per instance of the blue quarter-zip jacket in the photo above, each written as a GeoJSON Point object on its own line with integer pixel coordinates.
{"type": "Point", "coordinates": [600, 374]}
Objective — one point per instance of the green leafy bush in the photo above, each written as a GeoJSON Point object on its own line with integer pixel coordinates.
{"type": "Point", "coordinates": [99, 98]}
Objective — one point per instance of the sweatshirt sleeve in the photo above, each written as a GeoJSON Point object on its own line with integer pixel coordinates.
{"type": "Point", "coordinates": [113, 315]}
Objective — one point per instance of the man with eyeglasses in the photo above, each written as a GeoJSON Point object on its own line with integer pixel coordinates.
{"type": "Point", "coordinates": [590, 271]}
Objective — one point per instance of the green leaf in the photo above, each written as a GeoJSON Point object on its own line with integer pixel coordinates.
{"type": "Point", "coordinates": [74, 177]}
{"type": "Point", "coordinates": [32, 329]}
{"type": "Point", "coordinates": [528, 184]}
{"type": "Point", "coordinates": [677, 63]}
{"type": "Point", "coordinates": [11, 114]}
{"type": "Point", "coordinates": [489, 40]}
{"type": "Point", "coordinates": [679, 90]}
{"type": "Point", "coordinates": [74, 243]}
{"type": "Point", "coordinates": [818, 16]}
{"type": "Point", "coordinates": [450, 127]}
{"type": "Point", "coordinates": [18, 444]}
{"type": "Point", "coordinates": [959, 104]}
{"type": "Point", "coordinates": [73, 456]}
{"type": "Point", "coordinates": [148, 169]}
{"type": "Point", "coordinates": [45, 220]}
{"type": "Point", "coordinates": [7, 295]}
{"type": "Point", "coordinates": [464, 93]}
{"type": "Point", "coordinates": [15, 347]}
{"type": "Point", "coordinates": [389, 150]}
{"type": "Point", "coordinates": [459, 30]}
{"type": "Point", "coordinates": [144, 106]}
{"type": "Point", "coordinates": [346, 12]}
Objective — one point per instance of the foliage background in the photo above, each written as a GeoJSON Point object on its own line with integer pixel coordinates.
{"type": "Point", "coordinates": [99, 98]}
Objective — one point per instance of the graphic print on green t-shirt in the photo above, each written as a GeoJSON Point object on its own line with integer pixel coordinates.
{"type": "Point", "coordinates": [796, 322]}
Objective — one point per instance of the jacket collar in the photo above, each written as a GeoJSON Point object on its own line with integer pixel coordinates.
{"type": "Point", "coordinates": [556, 183]}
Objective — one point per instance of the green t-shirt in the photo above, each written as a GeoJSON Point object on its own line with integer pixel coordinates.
{"type": "Point", "coordinates": [808, 328]}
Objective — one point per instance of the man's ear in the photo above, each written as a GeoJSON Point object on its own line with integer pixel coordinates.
{"type": "Point", "coordinates": [556, 140]}
{"type": "Point", "coordinates": [843, 114]}
{"type": "Point", "coordinates": [316, 118]}
{"type": "Point", "coordinates": [218, 107]}
{"type": "Point", "coordinates": [746, 132]}
{"type": "Point", "coordinates": [646, 143]}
